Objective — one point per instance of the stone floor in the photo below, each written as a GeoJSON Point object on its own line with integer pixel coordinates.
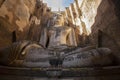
{"type": "Point", "coordinates": [103, 73]}
{"type": "Point", "coordinates": [117, 77]}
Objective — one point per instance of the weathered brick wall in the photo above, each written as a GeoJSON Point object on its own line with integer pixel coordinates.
{"type": "Point", "coordinates": [25, 17]}
{"type": "Point", "coordinates": [108, 21]}
{"type": "Point", "coordinates": [89, 10]}
{"type": "Point", "coordinates": [14, 16]}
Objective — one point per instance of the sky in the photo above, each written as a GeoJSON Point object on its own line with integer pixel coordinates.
{"type": "Point", "coordinates": [58, 4]}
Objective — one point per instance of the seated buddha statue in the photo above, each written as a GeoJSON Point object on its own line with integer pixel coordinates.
{"type": "Point", "coordinates": [53, 50]}
{"type": "Point", "coordinates": [58, 35]}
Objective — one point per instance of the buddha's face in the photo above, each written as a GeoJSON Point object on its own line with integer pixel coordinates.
{"type": "Point", "coordinates": [58, 20]}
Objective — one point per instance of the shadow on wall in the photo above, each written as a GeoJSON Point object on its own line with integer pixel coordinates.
{"type": "Point", "coordinates": [117, 7]}
{"type": "Point", "coordinates": [1, 2]}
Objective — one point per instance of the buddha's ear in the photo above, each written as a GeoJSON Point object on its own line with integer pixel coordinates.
{"type": "Point", "coordinates": [62, 21]}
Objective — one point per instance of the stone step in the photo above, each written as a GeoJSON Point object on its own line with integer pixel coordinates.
{"type": "Point", "coordinates": [98, 73]}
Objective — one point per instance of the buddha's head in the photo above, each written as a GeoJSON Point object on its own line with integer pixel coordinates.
{"type": "Point", "coordinates": [58, 19]}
